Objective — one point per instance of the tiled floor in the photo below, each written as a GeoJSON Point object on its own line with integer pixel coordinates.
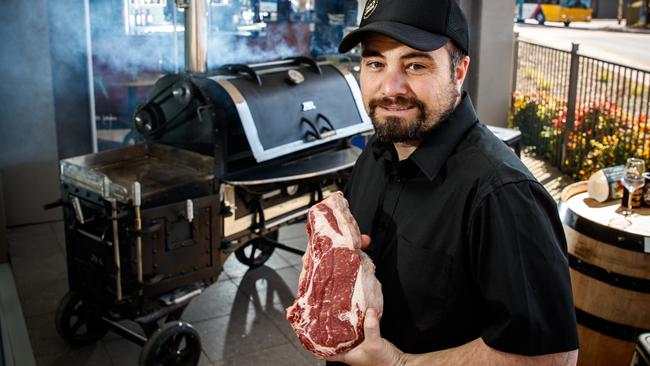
{"type": "Point", "coordinates": [240, 317]}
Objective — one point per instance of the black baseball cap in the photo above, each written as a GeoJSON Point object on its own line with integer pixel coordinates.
{"type": "Point", "coordinates": [425, 25]}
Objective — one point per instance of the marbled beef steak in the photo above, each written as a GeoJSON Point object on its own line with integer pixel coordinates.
{"type": "Point", "coordinates": [337, 283]}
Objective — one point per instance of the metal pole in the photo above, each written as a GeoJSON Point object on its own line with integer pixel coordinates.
{"type": "Point", "coordinates": [196, 34]}
{"type": "Point", "coordinates": [572, 98]}
{"type": "Point", "coordinates": [515, 64]}
{"type": "Point", "coordinates": [116, 250]}
{"type": "Point", "coordinates": [135, 190]}
{"type": "Point", "coordinates": [91, 76]}
{"type": "Point", "coordinates": [619, 12]}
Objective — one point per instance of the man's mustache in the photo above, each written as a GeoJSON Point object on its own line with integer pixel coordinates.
{"type": "Point", "coordinates": [398, 101]}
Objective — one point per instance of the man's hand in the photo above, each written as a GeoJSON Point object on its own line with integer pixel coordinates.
{"type": "Point", "coordinates": [365, 241]}
{"type": "Point", "coordinates": [374, 350]}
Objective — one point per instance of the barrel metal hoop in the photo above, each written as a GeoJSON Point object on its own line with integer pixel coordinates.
{"type": "Point", "coordinates": [605, 234]}
{"type": "Point", "coordinates": [615, 330]}
{"type": "Point", "coordinates": [612, 278]}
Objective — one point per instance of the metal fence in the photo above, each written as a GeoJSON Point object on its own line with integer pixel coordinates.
{"type": "Point", "coordinates": [579, 112]}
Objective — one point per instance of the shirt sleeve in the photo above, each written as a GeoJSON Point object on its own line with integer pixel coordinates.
{"type": "Point", "coordinates": [519, 262]}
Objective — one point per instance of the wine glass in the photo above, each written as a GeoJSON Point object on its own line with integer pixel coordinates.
{"type": "Point", "coordinates": [632, 179]}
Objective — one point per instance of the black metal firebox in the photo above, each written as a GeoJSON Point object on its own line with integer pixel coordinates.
{"type": "Point", "coordinates": [228, 160]}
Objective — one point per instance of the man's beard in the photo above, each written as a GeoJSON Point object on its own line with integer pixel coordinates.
{"type": "Point", "coordinates": [396, 129]}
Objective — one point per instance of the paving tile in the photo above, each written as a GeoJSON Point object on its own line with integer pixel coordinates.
{"type": "Point", "coordinates": [245, 331]}
{"type": "Point", "coordinates": [223, 276]}
{"type": "Point", "coordinates": [277, 314]}
{"type": "Point", "coordinates": [28, 231]}
{"type": "Point", "coordinates": [92, 355]}
{"type": "Point", "coordinates": [298, 243]}
{"type": "Point", "coordinates": [47, 345]}
{"type": "Point", "coordinates": [215, 301]}
{"type": "Point", "coordinates": [296, 230]}
{"type": "Point", "coordinates": [39, 266]}
{"type": "Point", "coordinates": [42, 297]}
{"type": "Point", "coordinates": [285, 355]}
{"type": "Point", "coordinates": [26, 248]}
{"type": "Point", "coordinates": [267, 286]}
{"type": "Point", "coordinates": [99, 357]}
{"type": "Point", "coordinates": [309, 357]}
{"type": "Point", "coordinates": [289, 277]}
{"type": "Point", "coordinates": [204, 360]}
{"type": "Point", "coordinates": [234, 268]}
{"type": "Point", "coordinates": [59, 233]}
{"type": "Point", "coordinates": [123, 352]}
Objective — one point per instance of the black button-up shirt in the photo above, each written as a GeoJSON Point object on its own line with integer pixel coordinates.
{"type": "Point", "coordinates": [466, 242]}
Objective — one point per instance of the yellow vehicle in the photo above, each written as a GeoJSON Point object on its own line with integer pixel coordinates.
{"type": "Point", "coordinates": [565, 11]}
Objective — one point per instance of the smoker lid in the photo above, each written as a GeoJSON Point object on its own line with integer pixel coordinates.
{"type": "Point", "coordinates": [284, 109]}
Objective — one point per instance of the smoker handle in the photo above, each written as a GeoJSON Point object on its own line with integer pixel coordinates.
{"type": "Point", "coordinates": [314, 133]}
{"type": "Point", "coordinates": [326, 131]}
{"type": "Point", "coordinates": [234, 69]}
{"type": "Point", "coordinates": [302, 60]}
{"type": "Point", "coordinates": [298, 60]}
{"type": "Point", "coordinates": [327, 134]}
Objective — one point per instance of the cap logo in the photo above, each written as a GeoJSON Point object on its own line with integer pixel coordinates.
{"type": "Point", "coordinates": [371, 5]}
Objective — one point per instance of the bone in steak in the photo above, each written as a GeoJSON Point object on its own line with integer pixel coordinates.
{"type": "Point", "coordinates": [337, 283]}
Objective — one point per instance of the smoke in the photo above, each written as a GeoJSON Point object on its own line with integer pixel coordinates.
{"type": "Point", "coordinates": [163, 52]}
{"type": "Point", "coordinates": [272, 46]}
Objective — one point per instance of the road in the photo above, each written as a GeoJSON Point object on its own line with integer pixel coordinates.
{"type": "Point", "coordinates": [630, 49]}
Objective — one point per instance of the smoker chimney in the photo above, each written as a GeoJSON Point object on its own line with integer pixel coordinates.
{"type": "Point", "coordinates": [196, 34]}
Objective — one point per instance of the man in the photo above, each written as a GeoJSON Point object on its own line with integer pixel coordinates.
{"type": "Point", "coordinates": [467, 244]}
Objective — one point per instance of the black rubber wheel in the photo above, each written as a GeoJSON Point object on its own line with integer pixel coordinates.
{"type": "Point", "coordinates": [174, 344]}
{"type": "Point", "coordinates": [257, 251]}
{"type": "Point", "coordinates": [541, 19]}
{"type": "Point", "coordinates": [76, 323]}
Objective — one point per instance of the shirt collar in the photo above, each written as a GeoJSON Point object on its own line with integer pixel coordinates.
{"type": "Point", "coordinates": [434, 149]}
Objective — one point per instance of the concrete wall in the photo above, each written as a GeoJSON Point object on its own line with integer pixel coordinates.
{"type": "Point", "coordinates": [28, 144]}
{"type": "Point", "coordinates": [68, 45]}
{"type": "Point", "coordinates": [4, 241]}
{"type": "Point", "coordinates": [491, 52]}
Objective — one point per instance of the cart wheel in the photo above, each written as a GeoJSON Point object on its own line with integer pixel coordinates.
{"type": "Point", "coordinates": [257, 251]}
{"type": "Point", "coordinates": [76, 323]}
{"type": "Point", "coordinates": [175, 343]}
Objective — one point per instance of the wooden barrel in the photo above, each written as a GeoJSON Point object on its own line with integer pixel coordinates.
{"type": "Point", "coordinates": [610, 275]}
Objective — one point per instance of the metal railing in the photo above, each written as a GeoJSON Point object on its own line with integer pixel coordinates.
{"type": "Point", "coordinates": [579, 112]}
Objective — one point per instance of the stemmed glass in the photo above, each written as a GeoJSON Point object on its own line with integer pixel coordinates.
{"type": "Point", "coordinates": [632, 179]}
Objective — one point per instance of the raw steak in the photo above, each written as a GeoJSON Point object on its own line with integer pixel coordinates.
{"type": "Point", "coordinates": [337, 283]}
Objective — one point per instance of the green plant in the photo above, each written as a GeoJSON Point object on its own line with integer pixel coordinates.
{"type": "Point", "coordinates": [602, 135]}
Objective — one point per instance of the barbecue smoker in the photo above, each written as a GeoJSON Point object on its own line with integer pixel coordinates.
{"type": "Point", "coordinates": [228, 160]}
